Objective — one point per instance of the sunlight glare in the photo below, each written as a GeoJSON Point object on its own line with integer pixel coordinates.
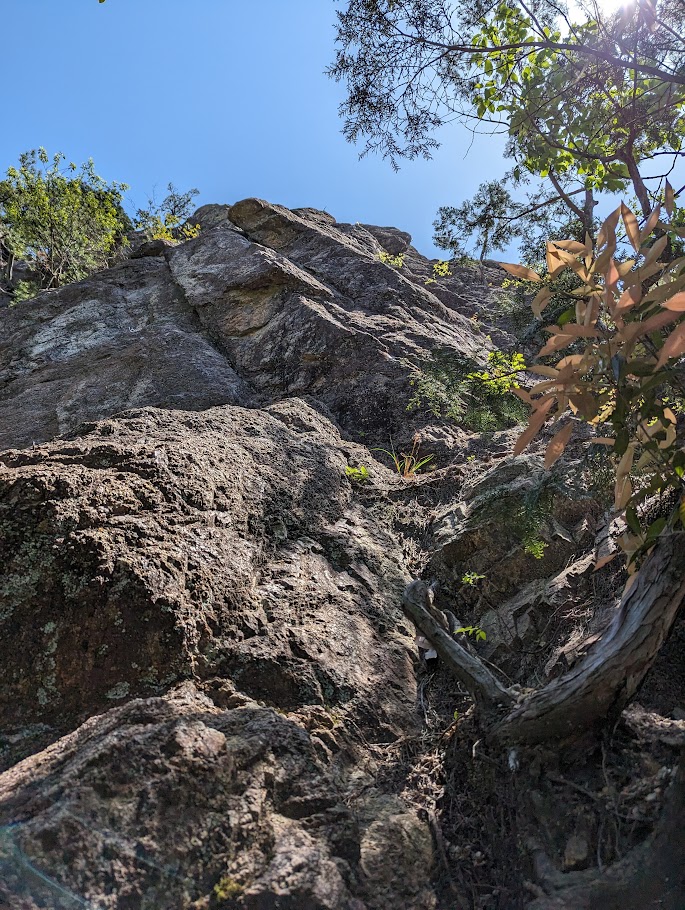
{"type": "Point", "coordinates": [608, 7]}
{"type": "Point", "coordinates": [592, 8]}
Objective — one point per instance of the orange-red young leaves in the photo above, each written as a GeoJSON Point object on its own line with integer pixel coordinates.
{"type": "Point", "coordinates": [520, 271]}
{"type": "Point", "coordinates": [607, 232]}
{"type": "Point", "coordinates": [670, 199]}
{"type": "Point", "coordinates": [537, 419]}
{"type": "Point", "coordinates": [542, 298]}
{"type": "Point", "coordinates": [676, 303]}
{"type": "Point", "coordinates": [674, 346]}
{"type": "Point", "coordinates": [556, 447]}
{"type": "Point", "coordinates": [631, 226]}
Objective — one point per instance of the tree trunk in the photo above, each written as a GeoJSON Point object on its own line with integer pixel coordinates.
{"type": "Point", "coordinates": [6, 261]}
{"type": "Point", "coordinates": [600, 685]}
{"type": "Point", "coordinates": [485, 689]}
{"type": "Point", "coordinates": [589, 212]}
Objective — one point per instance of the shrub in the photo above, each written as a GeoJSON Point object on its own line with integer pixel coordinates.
{"type": "Point", "coordinates": [457, 388]}
{"type": "Point", "coordinates": [441, 269]}
{"type": "Point", "coordinates": [167, 220]}
{"type": "Point", "coordinates": [617, 365]}
{"type": "Point", "coordinates": [63, 219]}
{"type": "Point", "coordinates": [395, 261]}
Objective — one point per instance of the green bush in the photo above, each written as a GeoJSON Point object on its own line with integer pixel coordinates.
{"type": "Point", "coordinates": [457, 388]}
{"type": "Point", "coordinates": [64, 220]}
{"type": "Point", "coordinates": [167, 220]}
{"type": "Point", "coordinates": [388, 259]}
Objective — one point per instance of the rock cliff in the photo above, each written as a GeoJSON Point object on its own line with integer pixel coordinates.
{"type": "Point", "coordinates": [267, 305]}
{"type": "Point", "coordinates": [211, 698]}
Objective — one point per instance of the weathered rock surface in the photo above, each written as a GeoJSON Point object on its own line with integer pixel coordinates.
{"type": "Point", "coordinates": [230, 548]}
{"type": "Point", "coordinates": [516, 522]}
{"type": "Point", "coordinates": [164, 546]}
{"type": "Point", "coordinates": [210, 535]}
{"type": "Point", "coordinates": [122, 339]}
{"type": "Point", "coordinates": [168, 801]}
{"type": "Point", "coordinates": [266, 305]}
{"type": "Point", "coordinates": [209, 696]}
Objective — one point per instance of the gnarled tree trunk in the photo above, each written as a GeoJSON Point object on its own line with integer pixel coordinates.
{"type": "Point", "coordinates": [600, 685]}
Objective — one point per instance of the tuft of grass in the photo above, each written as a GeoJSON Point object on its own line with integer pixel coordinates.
{"type": "Point", "coordinates": [227, 889]}
{"type": "Point", "coordinates": [407, 464]}
{"type": "Point", "coordinates": [358, 475]}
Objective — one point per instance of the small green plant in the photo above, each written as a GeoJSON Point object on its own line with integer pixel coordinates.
{"type": "Point", "coordinates": [395, 261]}
{"type": "Point", "coordinates": [227, 889]}
{"type": "Point", "coordinates": [599, 474]}
{"type": "Point", "coordinates": [478, 634]}
{"type": "Point", "coordinates": [170, 228]}
{"type": "Point", "coordinates": [25, 290]}
{"type": "Point", "coordinates": [358, 475]}
{"type": "Point", "coordinates": [441, 269]}
{"type": "Point", "coordinates": [471, 578]}
{"type": "Point", "coordinates": [535, 547]}
{"type": "Point", "coordinates": [502, 373]}
{"type": "Point", "coordinates": [476, 397]}
{"type": "Point", "coordinates": [408, 464]}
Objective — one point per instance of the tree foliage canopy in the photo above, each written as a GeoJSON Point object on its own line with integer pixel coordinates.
{"type": "Point", "coordinates": [63, 219]}
{"type": "Point", "coordinates": [491, 213]}
{"type": "Point", "coordinates": [410, 65]}
{"type": "Point", "coordinates": [585, 101]}
{"type": "Point", "coordinates": [165, 220]}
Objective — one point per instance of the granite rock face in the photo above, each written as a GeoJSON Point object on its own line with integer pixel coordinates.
{"type": "Point", "coordinates": [122, 339]}
{"type": "Point", "coordinates": [265, 304]}
{"type": "Point", "coordinates": [513, 523]}
{"type": "Point", "coordinates": [208, 681]}
{"type": "Point", "coordinates": [227, 549]}
{"type": "Point", "coordinates": [200, 609]}
{"type": "Point", "coordinates": [172, 545]}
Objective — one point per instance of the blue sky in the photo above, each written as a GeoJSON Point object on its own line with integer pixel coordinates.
{"type": "Point", "coordinates": [228, 96]}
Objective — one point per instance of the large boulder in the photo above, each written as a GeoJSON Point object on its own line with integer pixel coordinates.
{"type": "Point", "coordinates": [171, 545]}
{"type": "Point", "coordinates": [203, 636]}
{"type": "Point", "coordinates": [175, 803]}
